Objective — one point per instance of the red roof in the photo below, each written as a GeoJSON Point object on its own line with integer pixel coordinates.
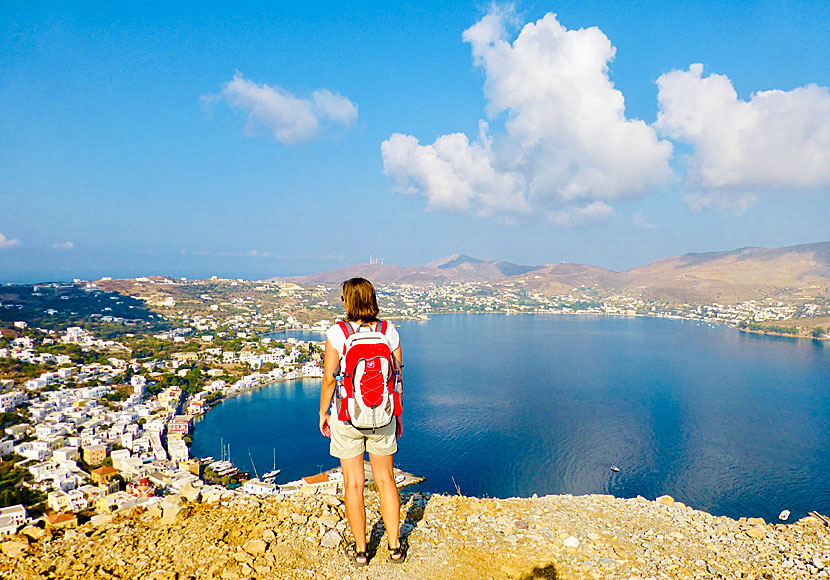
{"type": "Point", "coordinates": [319, 478]}
{"type": "Point", "coordinates": [104, 471]}
{"type": "Point", "coordinates": [58, 519]}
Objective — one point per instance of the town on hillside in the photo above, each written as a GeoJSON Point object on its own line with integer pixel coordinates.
{"type": "Point", "coordinates": [100, 382]}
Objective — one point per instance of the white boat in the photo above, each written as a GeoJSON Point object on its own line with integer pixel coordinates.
{"type": "Point", "coordinates": [615, 469]}
{"type": "Point", "coordinates": [270, 476]}
{"type": "Point", "coordinates": [784, 516]}
{"type": "Point", "coordinates": [222, 468]}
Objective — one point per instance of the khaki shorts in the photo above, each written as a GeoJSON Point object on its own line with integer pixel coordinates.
{"type": "Point", "coordinates": [347, 441]}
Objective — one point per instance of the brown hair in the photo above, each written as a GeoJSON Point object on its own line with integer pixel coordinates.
{"type": "Point", "coordinates": [360, 300]}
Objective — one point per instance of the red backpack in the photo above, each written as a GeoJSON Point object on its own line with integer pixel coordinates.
{"type": "Point", "coordinates": [368, 392]}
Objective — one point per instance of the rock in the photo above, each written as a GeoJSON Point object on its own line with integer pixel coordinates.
{"type": "Point", "coordinates": [255, 547]}
{"type": "Point", "coordinates": [570, 542]}
{"type": "Point", "coordinates": [99, 520]}
{"type": "Point", "coordinates": [521, 524]}
{"type": "Point", "coordinates": [33, 532]}
{"type": "Point", "coordinates": [190, 493]}
{"type": "Point", "coordinates": [299, 518]}
{"type": "Point", "coordinates": [593, 536]}
{"type": "Point", "coordinates": [331, 501]}
{"type": "Point", "coordinates": [818, 563]}
{"type": "Point", "coordinates": [331, 539]}
{"type": "Point", "coordinates": [15, 548]}
{"type": "Point", "coordinates": [329, 521]}
{"type": "Point", "coordinates": [171, 512]}
{"type": "Point", "coordinates": [756, 521]}
{"type": "Point", "coordinates": [665, 500]}
{"type": "Point", "coordinates": [756, 533]}
{"type": "Point", "coordinates": [269, 535]}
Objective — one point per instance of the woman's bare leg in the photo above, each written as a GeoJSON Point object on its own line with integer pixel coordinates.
{"type": "Point", "coordinates": [390, 501]}
{"type": "Point", "coordinates": [353, 479]}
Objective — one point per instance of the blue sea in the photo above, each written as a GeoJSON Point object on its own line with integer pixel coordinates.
{"type": "Point", "coordinates": [735, 424]}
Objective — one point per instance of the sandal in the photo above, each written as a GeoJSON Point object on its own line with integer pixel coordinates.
{"type": "Point", "coordinates": [358, 559]}
{"type": "Point", "coordinates": [398, 555]}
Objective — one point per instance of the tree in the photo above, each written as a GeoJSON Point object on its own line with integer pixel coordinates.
{"type": "Point", "coordinates": [818, 332]}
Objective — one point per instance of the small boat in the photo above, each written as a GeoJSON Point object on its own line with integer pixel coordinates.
{"type": "Point", "coordinates": [615, 469]}
{"type": "Point", "coordinates": [784, 516]}
{"type": "Point", "coordinates": [270, 476]}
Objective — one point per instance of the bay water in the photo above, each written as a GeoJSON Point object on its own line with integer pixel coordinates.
{"type": "Point", "coordinates": [735, 424]}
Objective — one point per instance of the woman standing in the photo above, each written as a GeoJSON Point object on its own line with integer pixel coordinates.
{"type": "Point", "coordinates": [349, 443]}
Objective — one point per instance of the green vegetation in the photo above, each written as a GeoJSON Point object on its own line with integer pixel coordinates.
{"type": "Point", "coordinates": [18, 370]}
{"type": "Point", "coordinates": [9, 419]}
{"type": "Point", "coordinates": [12, 489]}
{"type": "Point", "coordinates": [791, 330]}
{"type": "Point", "coordinates": [60, 305]}
{"type": "Point", "coordinates": [818, 332]}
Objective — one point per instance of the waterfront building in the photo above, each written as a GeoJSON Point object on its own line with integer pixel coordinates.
{"type": "Point", "coordinates": [257, 487]}
{"type": "Point", "coordinates": [180, 424]}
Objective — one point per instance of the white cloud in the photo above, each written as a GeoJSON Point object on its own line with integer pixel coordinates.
{"type": "Point", "coordinates": [244, 254]}
{"type": "Point", "coordinates": [64, 246]}
{"type": "Point", "coordinates": [8, 243]}
{"type": "Point", "coordinates": [775, 141]}
{"type": "Point", "coordinates": [594, 212]}
{"type": "Point", "coordinates": [566, 143]}
{"type": "Point", "coordinates": [639, 220]}
{"type": "Point", "coordinates": [288, 118]}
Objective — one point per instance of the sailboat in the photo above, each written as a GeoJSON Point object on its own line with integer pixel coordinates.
{"type": "Point", "coordinates": [272, 475]}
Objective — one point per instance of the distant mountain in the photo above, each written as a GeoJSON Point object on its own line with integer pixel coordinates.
{"type": "Point", "coordinates": [745, 274]}
{"type": "Point", "coordinates": [454, 268]}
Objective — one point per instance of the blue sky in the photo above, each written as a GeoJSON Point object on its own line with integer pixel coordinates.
{"type": "Point", "coordinates": [281, 139]}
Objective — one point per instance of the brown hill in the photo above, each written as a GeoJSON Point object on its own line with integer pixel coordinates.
{"type": "Point", "coordinates": [790, 273]}
{"type": "Point", "coordinates": [746, 274]}
{"type": "Point", "coordinates": [455, 268]}
{"type": "Point", "coordinates": [562, 278]}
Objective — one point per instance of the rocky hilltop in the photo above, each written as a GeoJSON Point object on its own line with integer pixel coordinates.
{"type": "Point", "coordinates": [233, 536]}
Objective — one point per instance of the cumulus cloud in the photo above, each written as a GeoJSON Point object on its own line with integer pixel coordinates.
{"type": "Point", "coordinates": [8, 243]}
{"type": "Point", "coordinates": [64, 246]}
{"type": "Point", "coordinates": [288, 118]}
{"type": "Point", "coordinates": [775, 141]}
{"type": "Point", "coordinates": [566, 148]}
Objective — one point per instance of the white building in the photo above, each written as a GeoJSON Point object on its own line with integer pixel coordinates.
{"type": "Point", "coordinates": [9, 401]}
{"type": "Point", "coordinates": [177, 449]}
{"type": "Point", "coordinates": [257, 487]}
{"type": "Point", "coordinates": [11, 518]}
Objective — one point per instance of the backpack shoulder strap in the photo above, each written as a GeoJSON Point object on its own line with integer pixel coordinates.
{"type": "Point", "coordinates": [345, 327]}
{"type": "Point", "coordinates": [381, 326]}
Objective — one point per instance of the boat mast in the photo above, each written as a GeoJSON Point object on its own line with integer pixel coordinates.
{"type": "Point", "coordinates": [253, 464]}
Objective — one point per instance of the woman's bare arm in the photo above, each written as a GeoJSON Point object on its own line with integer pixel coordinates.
{"type": "Point", "coordinates": [330, 361]}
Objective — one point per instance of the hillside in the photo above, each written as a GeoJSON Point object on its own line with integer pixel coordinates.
{"type": "Point", "coordinates": [232, 536]}
{"type": "Point", "coordinates": [454, 268]}
{"type": "Point", "coordinates": [794, 273]}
